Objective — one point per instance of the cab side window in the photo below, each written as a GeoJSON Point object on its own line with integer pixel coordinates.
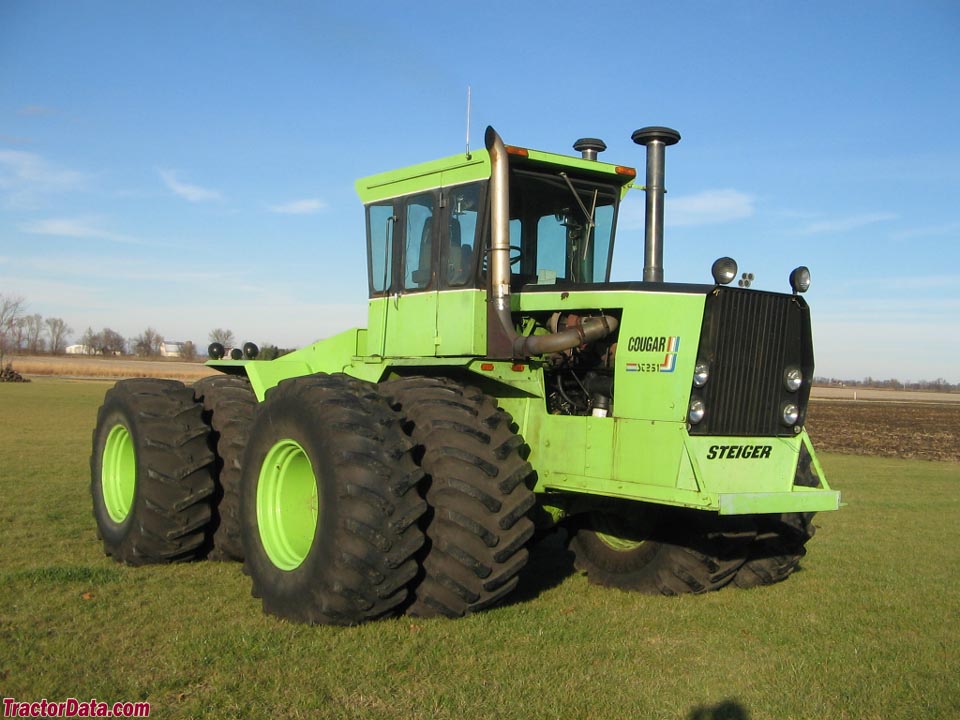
{"type": "Point", "coordinates": [464, 209]}
{"type": "Point", "coordinates": [381, 223]}
{"type": "Point", "coordinates": [418, 246]}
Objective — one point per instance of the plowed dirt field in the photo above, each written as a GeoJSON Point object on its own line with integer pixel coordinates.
{"type": "Point", "coordinates": [925, 431]}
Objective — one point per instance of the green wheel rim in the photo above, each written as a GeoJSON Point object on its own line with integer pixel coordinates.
{"type": "Point", "coordinates": [287, 505]}
{"type": "Point", "coordinates": [610, 530]}
{"type": "Point", "coordinates": [118, 473]}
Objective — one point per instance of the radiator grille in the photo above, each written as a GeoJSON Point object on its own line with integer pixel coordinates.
{"type": "Point", "coordinates": [749, 338]}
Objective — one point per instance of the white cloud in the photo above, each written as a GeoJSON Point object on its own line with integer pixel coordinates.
{"type": "Point", "coordinates": [307, 206]}
{"type": "Point", "coordinates": [35, 110]}
{"type": "Point", "coordinates": [928, 231]}
{"type": "Point", "coordinates": [25, 177]}
{"type": "Point", "coordinates": [85, 228]}
{"type": "Point", "coordinates": [106, 267]}
{"type": "Point", "coordinates": [193, 193]}
{"type": "Point", "coordinates": [704, 208]}
{"type": "Point", "coordinates": [708, 207]}
{"type": "Point", "coordinates": [852, 222]}
{"type": "Point", "coordinates": [907, 282]}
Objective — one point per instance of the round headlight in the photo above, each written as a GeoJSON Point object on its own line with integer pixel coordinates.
{"type": "Point", "coordinates": [215, 351]}
{"type": "Point", "coordinates": [792, 379]}
{"type": "Point", "coordinates": [700, 374]}
{"type": "Point", "coordinates": [790, 414]}
{"type": "Point", "coordinates": [724, 270]}
{"type": "Point", "coordinates": [800, 279]}
{"type": "Point", "coordinates": [250, 350]}
{"type": "Point", "coordinates": [697, 411]}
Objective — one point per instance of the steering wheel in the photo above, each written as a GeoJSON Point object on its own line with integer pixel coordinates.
{"type": "Point", "coordinates": [514, 258]}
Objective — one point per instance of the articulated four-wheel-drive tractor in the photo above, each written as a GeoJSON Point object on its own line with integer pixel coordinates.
{"type": "Point", "coordinates": [503, 387]}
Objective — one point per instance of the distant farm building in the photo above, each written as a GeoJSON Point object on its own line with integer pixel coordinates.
{"type": "Point", "coordinates": [77, 350]}
{"type": "Point", "coordinates": [171, 349]}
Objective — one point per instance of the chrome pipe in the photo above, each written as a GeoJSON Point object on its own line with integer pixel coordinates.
{"type": "Point", "coordinates": [656, 140]}
{"type": "Point", "coordinates": [587, 330]}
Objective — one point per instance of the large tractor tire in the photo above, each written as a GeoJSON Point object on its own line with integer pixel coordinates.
{"type": "Point", "coordinates": [477, 526]}
{"type": "Point", "coordinates": [151, 473]}
{"type": "Point", "coordinates": [329, 503]}
{"type": "Point", "coordinates": [228, 407]}
{"type": "Point", "coordinates": [659, 551]}
{"type": "Point", "coordinates": [781, 539]}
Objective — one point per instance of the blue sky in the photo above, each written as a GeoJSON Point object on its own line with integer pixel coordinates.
{"type": "Point", "coordinates": [190, 165]}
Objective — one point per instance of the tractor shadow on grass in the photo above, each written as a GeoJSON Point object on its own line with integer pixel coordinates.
{"type": "Point", "coordinates": [549, 565]}
{"type": "Point", "coordinates": [726, 710]}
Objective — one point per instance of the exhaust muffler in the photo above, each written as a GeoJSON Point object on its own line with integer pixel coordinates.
{"type": "Point", "coordinates": [655, 139]}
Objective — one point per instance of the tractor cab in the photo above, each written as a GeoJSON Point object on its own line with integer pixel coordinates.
{"type": "Point", "coordinates": [429, 242]}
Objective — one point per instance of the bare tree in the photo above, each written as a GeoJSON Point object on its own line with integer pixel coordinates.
{"type": "Point", "coordinates": [58, 330]}
{"type": "Point", "coordinates": [34, 328]}
{"type": "Point", "coordinates": [11, 311]}
{"type": "Point", "coordinates": [19, 333]}
{"type": "Point", "coordinates": [188, 351]}
{"type": "Point", "coordinates": [224, 337]}
{"type": "Point", "coordinates": [112, 342]}
{"type": "Point", "coordinates": [90, 341]}
{"type": "Point", "coordinates": [148, 343]}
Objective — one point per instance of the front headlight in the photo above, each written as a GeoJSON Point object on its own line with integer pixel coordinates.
{"type": "Point", "coordinates": [697, 411]}
{"type": "Point", "coordinates": [792, 379]}
{"type": "Point", "coordinates": [790, 413]}
{"type": "Point", "coordinates": [700, 374]}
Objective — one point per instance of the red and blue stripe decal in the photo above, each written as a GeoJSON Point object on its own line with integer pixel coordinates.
{"type": "Point", "coordinates": [669, 363]}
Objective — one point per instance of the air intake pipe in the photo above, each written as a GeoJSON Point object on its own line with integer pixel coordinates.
{"type": "Point", "coordinates": [656, 139]}
{"type": "Point", "coordinates": [588, 329]}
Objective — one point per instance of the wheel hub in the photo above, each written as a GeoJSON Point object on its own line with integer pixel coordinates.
{"type": "Point", "coordinates": [118, 477]}
{"type": "Point", "coordinates": [287, 504]}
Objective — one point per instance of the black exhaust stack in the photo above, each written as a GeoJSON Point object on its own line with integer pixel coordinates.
{"type": "Point", "coordinates": [656, 139]}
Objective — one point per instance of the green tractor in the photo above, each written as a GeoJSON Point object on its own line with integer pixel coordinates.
{"type": "Point", "coordinates": [504, 387]}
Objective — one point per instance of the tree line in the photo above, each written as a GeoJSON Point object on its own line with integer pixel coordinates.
{"type": "Point", "coordinates": [22, 332]}
{"type": "Point", "coordinates": [32, 334]}
{"type": "Point", "coordinates": [939, 385]}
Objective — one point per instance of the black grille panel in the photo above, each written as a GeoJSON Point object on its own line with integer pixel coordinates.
{"type": "Point", "coordinates": [748, 339]}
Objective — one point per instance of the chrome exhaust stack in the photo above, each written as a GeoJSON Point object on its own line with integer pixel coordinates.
{"type": "Point", "coordinates": [586, 330]}
{"type": "Point", "coordinates": [656, 140]}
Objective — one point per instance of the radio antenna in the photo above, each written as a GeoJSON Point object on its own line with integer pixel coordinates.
{"type": "Point", "coordinates": [468, 122]}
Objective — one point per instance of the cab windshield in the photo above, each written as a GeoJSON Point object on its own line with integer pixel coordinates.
{"type": "Point", "coordinates": [561, 228]}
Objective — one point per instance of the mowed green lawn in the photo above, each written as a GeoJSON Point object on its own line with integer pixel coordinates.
{"type": "Point", "coordinates": [870, 628]}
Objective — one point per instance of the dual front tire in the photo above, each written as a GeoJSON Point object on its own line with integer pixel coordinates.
{"type": "Point", "coordinates": [659, 551]}
{"type": "Point", "coordinates": [671, 551]}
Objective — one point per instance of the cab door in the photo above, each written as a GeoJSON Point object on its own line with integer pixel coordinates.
{"type": "Point", "coordinates": [403, 279]}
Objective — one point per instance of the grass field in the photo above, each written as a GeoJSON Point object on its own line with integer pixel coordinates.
{"type": "Point", "coordinates": [868, 629]}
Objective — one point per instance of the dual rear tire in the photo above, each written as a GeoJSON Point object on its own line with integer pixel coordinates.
{"type": "Point", "coordinates": [151, 473]}
{"type": "Point", "coordinates": [329, 503]}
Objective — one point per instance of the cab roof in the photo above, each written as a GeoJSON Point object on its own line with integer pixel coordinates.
{"type": "Point", "coordinates": [459, 169]}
